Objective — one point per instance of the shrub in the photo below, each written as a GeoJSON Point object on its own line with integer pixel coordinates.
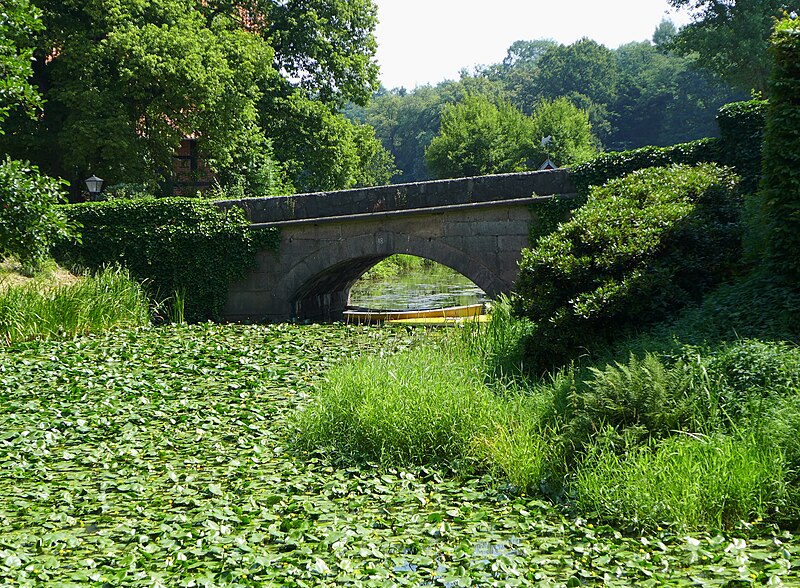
{"type": "Point", "coordinates": [642, 247]}
{"type": "Point", "coordinates": [174, 245]}
{"type": "Point", "coordinates": [752, 376]}
{"type": "Point", "coordinates": [29, 219]}
{"type": "Point", "coordinates": [781, 183]}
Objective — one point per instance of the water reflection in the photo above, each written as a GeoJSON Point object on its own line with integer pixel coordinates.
{"type": "Point", "coordinates": [416, 287]}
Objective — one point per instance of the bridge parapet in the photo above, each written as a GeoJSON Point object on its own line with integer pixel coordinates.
{"type": "Point", "coordinates": [419, 195]}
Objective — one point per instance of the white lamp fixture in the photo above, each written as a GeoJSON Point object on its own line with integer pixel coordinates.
{"type": "Point", "coordinates": [95, 185]}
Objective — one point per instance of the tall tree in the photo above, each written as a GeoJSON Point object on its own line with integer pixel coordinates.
{"type": "Point", "coordinates": [325, 47]}
{"type": "Point", "coordinates": [732, 38]}
{"type": "Point", "coordinates": [663, 99]}
{"type": "Point", "coordinates": [407, 122]}
{"type": "Point", "coordinates": [481, 136]}
{"type": "Point", "coordinates": [19, 22]}
{"type": "Point", "coordinates": [29, 219]}
{"type": "Point", "coordinates": [584, 67]}
{"type": "Point", "coordinates": [126, 80]}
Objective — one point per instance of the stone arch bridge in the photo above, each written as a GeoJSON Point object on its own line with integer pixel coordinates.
{"type": "Point", "coordinates": [477, 226]}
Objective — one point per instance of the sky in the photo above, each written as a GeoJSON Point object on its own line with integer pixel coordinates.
{"type": "Point", "coordinates": [428, 41]}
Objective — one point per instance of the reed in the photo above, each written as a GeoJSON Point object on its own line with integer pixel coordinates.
{"type": "Point", "coordinates": [93, 304]}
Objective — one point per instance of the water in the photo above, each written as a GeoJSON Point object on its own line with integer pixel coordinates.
{"type": "Point", "coordinates": [417, 288]}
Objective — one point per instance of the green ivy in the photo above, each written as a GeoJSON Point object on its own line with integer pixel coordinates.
{"type": "Point", "coordinates": [741, 127]}
{"type": "Point", "coordinates": [617, 164]}
{"type": "Point", "coordinates": [548, 214]}
{"type": "Point", "coordinates": [640, 248]}
{"type": "Point", "coordinates": [781, 183]}
{"type": "Point", "coordinates": [174, 245]}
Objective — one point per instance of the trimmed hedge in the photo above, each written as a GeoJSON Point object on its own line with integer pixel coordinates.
{"type": "Point", "coordinates": [781, 183]}
{"type": "Point", "coordinates": [174, 246]}
{"type": "Point", "coordinates": [617, 164]}
{"type": "Point", "coordinates": [741, 126]}
{"type": "Point", "coordinates": [641, 247]}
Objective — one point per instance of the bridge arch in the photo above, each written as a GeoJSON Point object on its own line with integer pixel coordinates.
{"type": "Point", "coordinates": [320, 283]}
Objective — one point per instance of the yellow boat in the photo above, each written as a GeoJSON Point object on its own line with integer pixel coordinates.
{"type": "Point", "coordinates": [366, 315]}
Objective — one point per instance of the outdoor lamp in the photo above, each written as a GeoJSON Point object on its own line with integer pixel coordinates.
{"type": "Point", "coordinates": [95, 185]}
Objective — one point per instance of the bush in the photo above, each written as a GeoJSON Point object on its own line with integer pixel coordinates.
{"type": "Point", "coordinates": [30, 222]}
{"type": "Point", "coordinates": [175, 246]}
{"type": "Point", "coordinates": [781, 184]}
{"type": "Point", "coordinates": [642, 247]}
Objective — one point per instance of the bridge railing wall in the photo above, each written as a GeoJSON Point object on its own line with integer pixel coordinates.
{"type": "Point", "coordinates": [405, 196]}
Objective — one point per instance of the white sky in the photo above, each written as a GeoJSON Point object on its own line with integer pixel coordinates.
{"type": "Point", "coordinates": [428, 41]}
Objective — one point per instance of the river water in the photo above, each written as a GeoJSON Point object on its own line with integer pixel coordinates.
{"type": "Point", "coordinates": [417, 288]}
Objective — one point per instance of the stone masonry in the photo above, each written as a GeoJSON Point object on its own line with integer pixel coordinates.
{"type": "Point", "coordinates": [477, 226]}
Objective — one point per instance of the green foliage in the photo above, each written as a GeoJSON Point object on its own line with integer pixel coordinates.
{"type": "Point", "coordinates": [741, 126]}
{"type": "Point", "coordinates": [29, 221]}
{"type": "Point", "coordinates": [584, 67]}
{"type": "Point", "coordinates": [480, 136]}
{"type": "Point", "coordinates": [781, 184]}
{"type": "Point", "coordinates": [442, 399]}
{"type": "Point", "coordinates": [172, 245]}
{"type": "Point", "coordinates": [19, 22]}
{"type": "Point", "coordinates": [323, 150]}
{"type": "Point", "coordinates": [756, 305]}
{"type": "Point", "coordinates": [549, 214]}
{"type": "Point", "coordinates": [127, 191]}
{"type": "Point", "coordinates": [685, 481]}
{"type": "Point", "coordinates": [732, 38]}
{"type": "Point", "coordinates": [171, 69]}
{"type": "Point", "coordinates": [663, 98]}
{"type": "Point", "coordinates": [569, 129]}
{"type": "Point", "coordinates": [640, 248]}
{"type": "Point", "coordinates": [157, 444]}
{"type": "Point", "coordinates": [609, 166]}
{"type": "Point", "coordinates": [96, 303]}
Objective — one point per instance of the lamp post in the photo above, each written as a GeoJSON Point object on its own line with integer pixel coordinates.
{"type": "Point", "coordinates": [95, 185]}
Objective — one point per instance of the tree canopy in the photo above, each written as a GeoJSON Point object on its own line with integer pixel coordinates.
{"type": "Point", "coordinates": [125, 81]}
{"type": "Point", "coordinates": [19, 22]}
{"type": "Point", "coordinates": [733, 38]}
{"type": "Point", "coordinates": [480, 136]}
{"type": "Point", "coordinates": [29, 219]}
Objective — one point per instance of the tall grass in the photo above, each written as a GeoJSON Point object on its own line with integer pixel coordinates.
{"type": "Point", "coordinates": [688, 481]}
{"type": "Point", "coordinates": [93, 304]}
{"type": "Point", "coordinates": [694, 438]}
